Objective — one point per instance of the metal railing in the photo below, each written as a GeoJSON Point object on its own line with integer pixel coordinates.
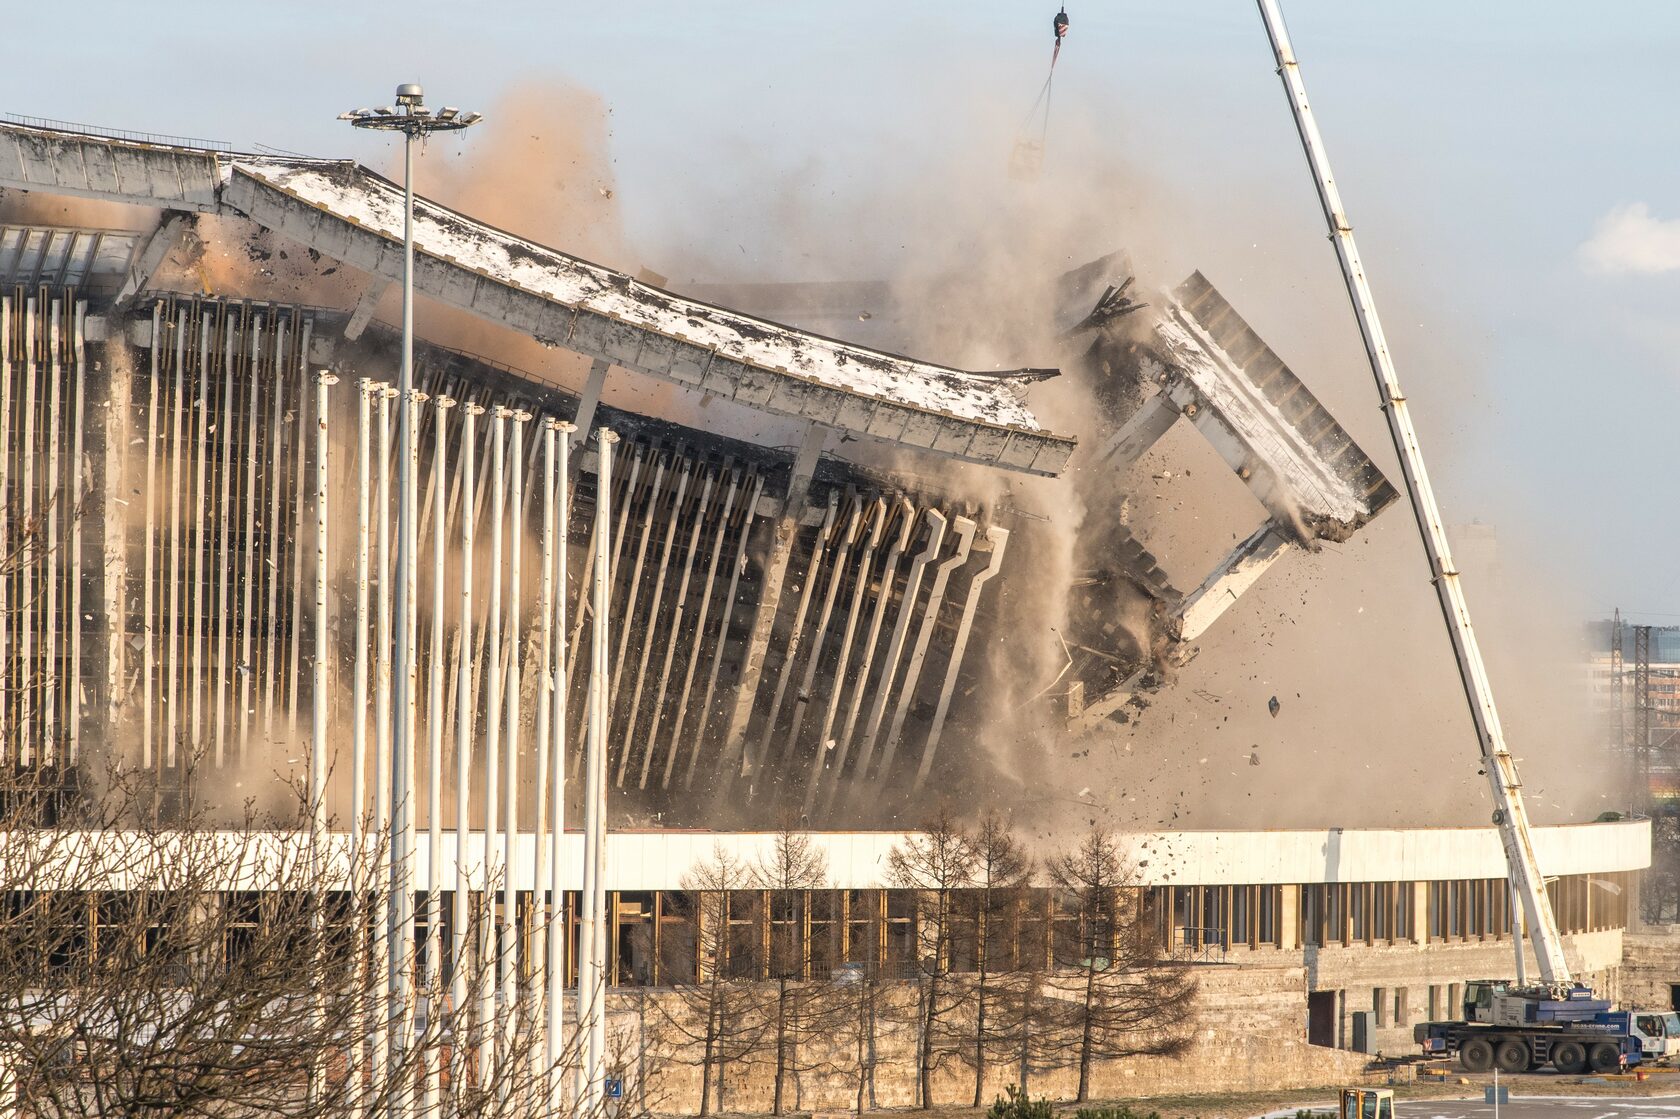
{"type": "Point", "coordinates": [161, 138]}
{"type": "Point", "coordinates": [1193, 943]}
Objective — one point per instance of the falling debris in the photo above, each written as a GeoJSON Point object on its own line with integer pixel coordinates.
{"type": "Point", "coordinates": [1273, 705]}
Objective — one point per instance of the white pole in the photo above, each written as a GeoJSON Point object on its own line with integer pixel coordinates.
{"type": "Point", "coordinates": [492, 746]}
{"type": "Point", "coordinates": [1510, 815]}
{"type": "Point", "coordinates": [463, 751]}
{"type": "Point", "coordinates": [540, 926]}
{"type": "Point", "coordinates": [318, 745]}
{"type": "Point", "coordinates": [318, 706]}
{"type": "Point", "coordinates": [384, 833]}
{"type": "Point", "coordinates": [592, 993]}
{"type": "Point", "coordinates": [507, 966]}
{"type": "Point", "coordinates": [358, 702]}
{"type": "Point", "coordinates": [434, 771]}
{"type": "Point", "coordinates": [555, 964]}
{"type": "Point", "coordinates": [399, 989]}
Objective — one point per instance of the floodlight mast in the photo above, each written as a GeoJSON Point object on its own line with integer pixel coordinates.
{"type": "Point", "coordinates": [1509, 815]}
{"type": "Point", "coordinates": [410, 117]}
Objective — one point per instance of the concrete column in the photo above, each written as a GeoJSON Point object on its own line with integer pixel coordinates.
{"type": "Point", "coordinates": [1139, 433]}
{"type": "Point", "coordinates": [589, 401]}
{"type": "Point", "coordinates": [1230, 579]}
{"type": "Point", "coordinates": [769, 597]}
{"type": "Point", "coordinates": [1420, 911]}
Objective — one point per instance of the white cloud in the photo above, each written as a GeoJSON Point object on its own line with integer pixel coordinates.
{"type": "Point", "coordinates": [1629, 240]}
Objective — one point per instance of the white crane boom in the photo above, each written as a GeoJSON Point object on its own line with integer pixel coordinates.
{"type": "Point", "coordinates": [1509, 813]}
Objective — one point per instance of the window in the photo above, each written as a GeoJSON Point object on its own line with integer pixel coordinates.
{"type": "Point", "coordinates": [863, 909]}
{"type": "Point", "coordinates": [1268, 931]}
{"type": "Point", "coordinates": [825, 931]}
{"type": "Point", "coordinates": [1336, 914]}
{"type": "Point", "coordinates": [901, 956]}
{"type": "Point", "coordinates": [1402, 1010]}
{"type": "Point", "coordinates": [1379, 1005]}
{"type": "Point", "coordinates": [677, 940]}
{"type": "Point", "coordinates": [742, 946]}
{"type": "Point", "coordinates": [787, 934]}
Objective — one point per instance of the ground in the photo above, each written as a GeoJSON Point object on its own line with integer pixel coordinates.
{"type": "Point", "coordinates": [1533, 1096]}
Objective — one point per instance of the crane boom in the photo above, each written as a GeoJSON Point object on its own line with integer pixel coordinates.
{"type": "Point", "coordinates": [1501, 769]}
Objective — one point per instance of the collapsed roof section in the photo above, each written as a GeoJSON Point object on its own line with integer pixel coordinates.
{"type": "Point", "coordinates": [1194, 358]}
{"type": "Point", "coordinates": [1295, 457]}
{"type": "Point", "coordinates": [345, 211]}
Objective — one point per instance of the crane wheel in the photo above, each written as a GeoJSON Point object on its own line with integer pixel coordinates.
{"type": "Point", "coordinates": [1570, 1057]}
{"type": "Point", "coordinates": [1511, 1056]}
{"type": "Point", "coordinates": [1604, 1057]}
{"type": "Point", "coordinates": [1476, 1055]}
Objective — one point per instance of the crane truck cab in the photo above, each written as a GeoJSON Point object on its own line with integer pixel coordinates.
{"type": "Point", "coordinates": [1658, 1034]}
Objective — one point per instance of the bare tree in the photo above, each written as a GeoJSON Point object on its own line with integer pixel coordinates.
{"type": "Point", "coordinates": [1000, 873]}
{"type": "Point", "coordinates": [1025, 1018]}
{"type": "Point", "coordinates": [934, 865]}
{"type": "Point", "coordinates": [717, 1009]}
{"type": "Point", "coordinates": [1124, 996]}
{"type": "Point", "coordinates": [158, 966]}
{"type": "Point", "coordinates": [793, 867]}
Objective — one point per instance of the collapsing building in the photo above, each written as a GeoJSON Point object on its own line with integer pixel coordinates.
{"type": "Point", "coordinates": [197, 574]}
{"type": "Point", "coordinates": [789, 627]}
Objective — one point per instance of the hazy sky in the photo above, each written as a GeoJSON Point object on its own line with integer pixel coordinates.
{"type": "Point", "coordinates": [1511, 169]}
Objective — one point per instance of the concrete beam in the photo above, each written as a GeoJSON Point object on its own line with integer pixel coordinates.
{"type": "Point", "coordinates": [150, 256]}
{"type": "Point", "coordinates": [365, 306]}
{"type": "Point", "coordinates": [591, 398]}
{"type": "Point", "coordinates": [1091, 715]}
{"type": "Point", "coordinates": [1147, 425]}
{"type": "Point", "coordinates": [1230, 580]}
{"type": "Point", "coordinates": [115, 170]}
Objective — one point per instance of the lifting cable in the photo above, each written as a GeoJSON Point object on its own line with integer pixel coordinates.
{"type": "Point", "coordinates": [1030, 146]}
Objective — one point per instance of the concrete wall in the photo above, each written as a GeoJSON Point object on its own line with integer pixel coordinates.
{"type": "Point", "coordinates": [1249, 1033]}
{"type": "Point", "coordinates": [1650, 967]}
{"type": "Point", "coordinates": [1401, 977]}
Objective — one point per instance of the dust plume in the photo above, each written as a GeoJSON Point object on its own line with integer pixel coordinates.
{"type": "Point", "coordinates": [1371, 726]}
{"type": "Point", "coordinates": [539, 166]}
{"type": "Point", "coordinates": [23, 207]}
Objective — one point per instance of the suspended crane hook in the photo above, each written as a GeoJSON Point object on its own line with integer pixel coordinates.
{"type": "Point", "coordinates": [1029, 151]}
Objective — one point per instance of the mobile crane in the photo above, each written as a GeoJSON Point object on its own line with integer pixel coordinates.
{"type": "Point", "coordinates": [1520, 1025]}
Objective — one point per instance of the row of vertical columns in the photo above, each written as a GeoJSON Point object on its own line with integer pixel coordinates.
{"type": "Point", "coordinates": [43, 375]}
{"type": "Point", "coordinates": [223, 491]}
{"type": "Point", "coordinates": [491, 668]}
{"type": "Point", "coordinates": [681, 528]}
{"type": "Point", "coordinates": [862, 628]}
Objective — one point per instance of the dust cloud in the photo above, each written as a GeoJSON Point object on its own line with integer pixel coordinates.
{"type": "Point", "coordinates": [1371, 726]}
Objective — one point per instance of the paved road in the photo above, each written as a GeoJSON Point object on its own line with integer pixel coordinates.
{"type": "Point", "coordinates": [1543, 1107]}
